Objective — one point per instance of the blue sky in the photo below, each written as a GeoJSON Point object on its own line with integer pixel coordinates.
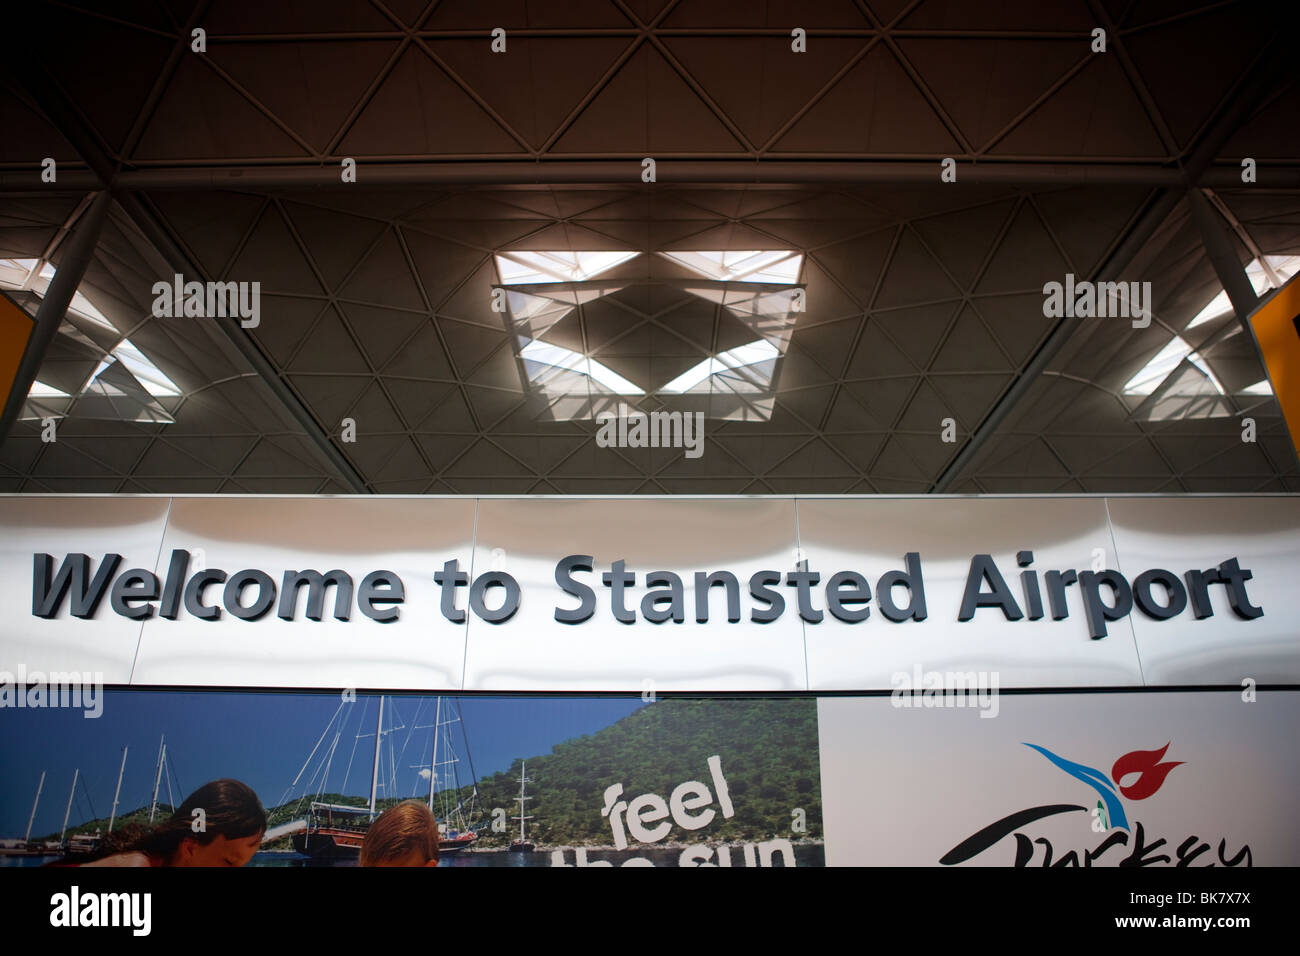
{"type": "Point", "coordinates": [260, 738]}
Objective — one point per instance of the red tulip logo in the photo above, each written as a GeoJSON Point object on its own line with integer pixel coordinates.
{"type": "Point", "coordinates": [1145, 763]}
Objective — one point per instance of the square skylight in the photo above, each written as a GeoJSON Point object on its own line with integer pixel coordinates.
{"type": "Point", "coordinates": [752, 265]}
{"type": "Point", "coordinates": [520, 267]}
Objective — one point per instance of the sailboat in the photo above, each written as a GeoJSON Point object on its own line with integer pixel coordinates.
{"type": "Point", "coordinates": [337, 831]}
{"type": "Point", "coordinates": [454, 830]}
{"type": "Point", "coordinates": [523, 844]}
{"type": "Point", "coordinates": [25, 846]}
{"type": "Point", "coordinates": [85, 844]}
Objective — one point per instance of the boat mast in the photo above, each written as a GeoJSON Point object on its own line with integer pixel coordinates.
{"type": "Point", "coordinates": [523, 779]}
{"type": "Point", "coordinates": [112, 816]}
{"type": "Point", "coordinates": [39, 787]}
{"type": "Point", "coordinates": [433, 767]}
{"type": "Point", "coordinates": [67, 812]}
{"type": "Point", "coordinates": [374, 775]}
{"type": "Point", "coordinates": [162, 750]}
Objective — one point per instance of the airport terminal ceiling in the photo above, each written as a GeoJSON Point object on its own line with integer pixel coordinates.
{"type": "Point", "coordinates": [498, 273]}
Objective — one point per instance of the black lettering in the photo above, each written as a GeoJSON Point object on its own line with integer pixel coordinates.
{"type": "Point", "coordinates": [478, 593]}
{"type": "Point", "coordinates": [1057, 581]}
{"type": "Point", "coordinates": [194, 594]}
{"type": "Point", "coordinates": [759, 591]}
{"type": "Point", "coordinates": [1097, 611]}
{"type": "Point", "coordinates": [451, 577]}
{"type": "Point", "coordinates": [1185, 858]}
{"type": "Point", "coordinates": [910, 579]}
{"type": "Point", "coordinates": [316, 583]}
{"type": "Point", "coordinates": [703, 582]}
{"type": "Point", "coordinates": [981, 840]}
{"type": "Point", "coordinates": [380, 587]}
{"type": "Point", "coordinates": [1116, 838]}
{"type": "Point", "coordinates": [177, 568]}
{"type": "Point", "coordinates": [617, 578]}
{"type": "Point", "coordinates": [1234, 576]}
{"type": "Point", "coordinates": [134, 585]}
{"type": "Point", "coordinates": [1198, 590]}
{"type": "Point", "coordinates": [586, 595]}
{"type": "Point", "coordinates": [1243, 853]}
{"type": "Point", "coordinates": [983, 568]}
{"type": "Point", "coordinates": [1148, 605]}
{"type": "Point", "coordinates": [848, 587]}
{"type": "Point", "coordinates": [803, 580]}
{"type": "Point", "coordinates": [675, 596]}
{"type": "Point", "coordinates": [234, 589]}
{"type": "Point", "coordinates": [1141, 854]}
{"type": "Point", "coordinates": [47, 598]}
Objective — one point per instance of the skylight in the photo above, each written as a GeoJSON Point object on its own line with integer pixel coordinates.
{"type": "Point", "coordinates": [1271, 272]}
{"type": "Point", "coordinates": [551, 294]}
{"type": "Point", "coordinates": [1282, 267]}
{"type": "Point", "coordinates": [145, 374]}
{"type": "Point", "coordinates": [519, 267]}
{"type": "Point", "coordinates": [40, 390]}
{"type": "Point", "coordinates": [544, 353]}
{"type": "Point", "coordinates": [742, 355]}
{"type": "Point", "coordinates": [149, 375]}
{"type": "Point", "coordinates": [772, 265]}
{"type": "Point", "coordinates": [1148, 379]}
{"type": "Point", "coordinates": [81, 305]}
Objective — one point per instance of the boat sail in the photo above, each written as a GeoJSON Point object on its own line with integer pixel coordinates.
{"type": "Point", "coordinates": [336, 831]}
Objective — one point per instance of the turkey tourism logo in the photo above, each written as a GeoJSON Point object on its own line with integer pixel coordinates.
{"type": "Point", "coordinates": [1109, 812]}
{"type": "Point", "coordinates": [1109, 818]}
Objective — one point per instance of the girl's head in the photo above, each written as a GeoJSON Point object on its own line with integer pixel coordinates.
{"type": "Point", "coordinates": [404, 835]}
{"type": "Point", "coordinates": [219, 824]}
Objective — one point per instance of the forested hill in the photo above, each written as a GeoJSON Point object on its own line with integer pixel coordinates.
{"type": "Point", "coordinates": [769, 758]}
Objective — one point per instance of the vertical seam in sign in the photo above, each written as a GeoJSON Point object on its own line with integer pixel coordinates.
{"type": "Point", "coordinates": [1137, 651]}
{"type": "Point", "coordinates": [803, 625]}
{"type": "Point", "coordinates": [139, 639]}
{"type": "Point", "coordinates": [473, 549]}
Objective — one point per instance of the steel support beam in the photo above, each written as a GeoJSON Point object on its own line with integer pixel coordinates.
{"type": "Point", "coordinates": [628, 172]}
{"type": "Point", "coordinates": [1223, 256]}
{"type": "Point", "coordinates": [1270, 69]}
{"type": "Point", "coordinates": [50, 98]}
{"type": "Point", "coordinates": [1158, 209]}
{"type": "Point", "coordinates": [77, 253]}
{"type": "Point", "coordinates": [242, 343]}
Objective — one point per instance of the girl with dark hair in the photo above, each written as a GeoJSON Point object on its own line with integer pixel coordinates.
{"type": "Point", "coordinates": [219, 824]}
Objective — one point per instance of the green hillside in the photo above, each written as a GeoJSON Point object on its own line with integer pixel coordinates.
{"type": "Point", "coordinates": [769, 758]}
{"type": "Point", "coordinates": [100, 824]}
